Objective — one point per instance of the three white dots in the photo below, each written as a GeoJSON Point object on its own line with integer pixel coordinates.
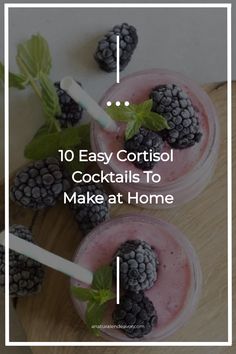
{"type": "Point", "coordinates": [117, 103]}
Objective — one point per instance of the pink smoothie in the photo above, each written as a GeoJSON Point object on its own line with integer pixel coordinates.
{"type": "Point", "coordinates": [175, 292]}
{"type": "Point", "coordinates": [190, 165]}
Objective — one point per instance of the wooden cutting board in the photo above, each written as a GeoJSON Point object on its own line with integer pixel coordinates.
{"type": "Point", "coordinates": [50, 315]}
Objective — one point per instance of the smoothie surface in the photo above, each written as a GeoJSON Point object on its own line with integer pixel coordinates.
{"type": "Point", "coordinates": [136, 89]}
{"type": "Point", "coordinates": [171, 290]}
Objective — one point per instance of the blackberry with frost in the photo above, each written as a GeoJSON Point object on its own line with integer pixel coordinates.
{"type": "Point", "coordinates": [89, 215]}
{"type": "Point", "coordinates": [145, 140]}
{"type": "Point", "coordinates": [25, 274]}
{"type": "Point", "coordinates": [172, 102]}
{"type": "Point", "coordinates": [138, 265]}
{"type": "Point", "coordinates": [136, 315]}
{"type": "Point", "coordinates": [105, 54]}
{"type": "Point", "coordinates": [71, 111]}
{"type": "Point", "coordinates": [39, 184]}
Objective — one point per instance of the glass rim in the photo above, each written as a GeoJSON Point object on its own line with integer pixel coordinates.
{"type": "Point", "coordinates": [213, 141]}
{"type": "Point", "coordinates": [196, 273]}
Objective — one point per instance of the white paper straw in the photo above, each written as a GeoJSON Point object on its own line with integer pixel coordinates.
{"type": "Point", "coordinates": [47, 258]}
{"type": "Point", "coordinates": [75, 91]}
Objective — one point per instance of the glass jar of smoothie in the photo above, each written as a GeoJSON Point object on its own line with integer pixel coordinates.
{"type": "Point", "coordinates": [192, 168]}
{"type": "Point", "coordinates": [176, 292]}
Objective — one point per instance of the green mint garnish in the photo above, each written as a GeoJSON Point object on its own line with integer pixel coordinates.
{"type": "Point", "coordinates": [102, 278]}
{"type": "Point", "coordinates": [96, 297]}
{"type": "Point", "coordinates": [15, 80]}
{"type": "Point", "coordinates": [18, 81]}
{"type": "Point", "coordinates": [34, 62]}
{"type": "Point", "coordinates": [50, 101]}
{"type": "Point", "coordinates": [84, 142]}
{"type": "Point", "coordinates": [46, 144]}
{"type": "Point", "coordinates": [132, 128]}
{"type": "Point", "coordinates": [137, 116]}
{"type": "Point", "coordinates": [94, 315]}
{"type": "Point", "coordinates": [33, 57]}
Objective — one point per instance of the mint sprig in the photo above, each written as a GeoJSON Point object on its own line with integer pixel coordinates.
{"type": "Point", "coordinates": [96, 297]}
{"type": "Point", "coordinates": [137, 116]}
{"type": "Point", "coordinates": [33, 57]}
{"type": "Point", "coordinates": [132, 128]}
{"type": "Point", "coordinates": [47, 143]}
{"type": "Point", "coordinates": [50, 101]}
{"type": "Point", "coordinates": [84, 141]}
{"type": "Point", "coordinates": [102, 278]}
{"type": "Point", "coordinates": [15, 80]}
{"type": "Point", "coordinates": [34, 61]}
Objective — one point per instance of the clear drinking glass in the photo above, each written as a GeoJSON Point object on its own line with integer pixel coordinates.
{"type": "Point", "coordinates": [192, 169]}
{"type": "Point", "coordinates": [176, 292]}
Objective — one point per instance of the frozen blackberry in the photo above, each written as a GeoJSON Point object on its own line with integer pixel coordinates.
{"type": "Point", "coordinates": [135, 315]}
{"type": "Point", "coordinates": [105, 54]}
{"type": "Point", "coordinates": [25, 274]}
{"type": "Point", "coordinates": [39, 184]}
{"type": "Point", "coordinates": [138, 265]}
{"type": "Point", "coordinates": [71, 112]}
{"type": "Point", "coordinates": [89, 215]}
{"type": "Point", "coordinates": [144, 140]}
{"type": "Point", "coordinates": [175, 105]}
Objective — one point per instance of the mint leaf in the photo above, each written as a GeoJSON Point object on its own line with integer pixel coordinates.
{"type": "Point", "coordinates": [120, 113]}
{"type": "Point", "coordinates": [94, 315]}
{"type": "Point", "coordinates": [50, 98]}
{"type": "Point", "coordinates": [34, 61]}
{"type": "Point", "coordinates": [15, 80]}
{"type": "Point", "coordinates": [136, 116]}
{"type": "Point", "coordinates": [102, 278]}
{"type": "Point", "coordinates": [132, 128]}
{"type": "Point", "coordinates": [155, 122]}
{"type": "Point", "coordinates": [103, 295]}
{"type": "Point", "coordinates": [76, 164]}
{"type": "Point", "coordinates": [33, 57]}
{"type": "Point", "coordinates": [144, 107]}
{"type": "Point", "coordinates": [43, 130]}
{"type": "Point", "coordinates": [42, 146]}
{"type": "Point", "coordinates": [84, 133]}
{"type": "Point", "coordinates": [46, 144]}
{"type": "Point", "coordinates": [83, 294]}
{"type": "Point", "coordinates": [97, 296]}
{"type": "Point", "coordinates": [69, 137]}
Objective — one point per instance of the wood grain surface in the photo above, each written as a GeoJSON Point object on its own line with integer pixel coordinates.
{"type": "Point", "coordinates": [50, 315]}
